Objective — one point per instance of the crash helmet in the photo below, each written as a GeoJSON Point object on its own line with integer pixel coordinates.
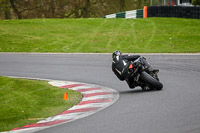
{"type": "Point", "coordinates": [116, 56]}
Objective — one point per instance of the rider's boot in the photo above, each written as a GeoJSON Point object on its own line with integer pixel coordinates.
{"type": "Point", "coordinates": [153, 70]}
{"type": "Point", "coordinates": [149, 67]}
{"type": "Point", "coordinates": [130, 83]}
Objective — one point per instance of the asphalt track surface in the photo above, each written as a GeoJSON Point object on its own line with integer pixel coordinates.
{"type": "Point", "coordinates": [175, 109]}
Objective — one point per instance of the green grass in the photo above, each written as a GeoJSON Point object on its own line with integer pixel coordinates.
{"type": "Point", "coordinates": [162, 35]}
{"type": "Point", "coordinates": [25, 101]}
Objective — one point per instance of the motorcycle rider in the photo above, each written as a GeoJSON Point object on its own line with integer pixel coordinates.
{"type": "Point", "coordinates": [120, 66]}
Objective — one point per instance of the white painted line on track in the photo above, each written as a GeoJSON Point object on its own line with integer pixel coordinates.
{"type": "Point", "coordinates": [98, 105]}
{"type": "Point", "coordinates": [97, 97]}
{"type": "Point", "coordinates": [79, 88]}
{"type": "Point", "coordinates": [94, 91]}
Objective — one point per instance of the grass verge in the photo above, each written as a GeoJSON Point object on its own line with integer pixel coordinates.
{"type": "Point", "coordinates": [25, 101]}
{"type": "Point", "coordinates": [152, 35]}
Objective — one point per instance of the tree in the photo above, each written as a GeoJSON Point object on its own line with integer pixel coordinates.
{"type": "Point", "coordinates": [22, 9]}
{"type": "Point", "coordinates": [16, 11]}
{"type": "Point", "coordinates": [86, 9]}
{"type": "Point", "coordinates": [196, 2]}
{"type": "Point", "coordinates": [52, 7]}
{"type": "Point", "coordinates": [5, 9]}
{"type": "Point", "coordinates": [122, 5]}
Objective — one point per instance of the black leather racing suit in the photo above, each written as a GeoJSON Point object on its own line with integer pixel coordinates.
{"type": "Point", "coordinates": [120, 68]}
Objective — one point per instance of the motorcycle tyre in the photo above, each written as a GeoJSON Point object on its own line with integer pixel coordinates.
{"type": "Point", "coordinates": [152, 82]}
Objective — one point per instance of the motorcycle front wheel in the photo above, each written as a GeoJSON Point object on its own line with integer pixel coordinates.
{"type": "Point", "coordinates": [152, 82]}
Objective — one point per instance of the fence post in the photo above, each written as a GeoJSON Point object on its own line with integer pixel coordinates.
{"type": "Point", "coordinates": [145, 12]}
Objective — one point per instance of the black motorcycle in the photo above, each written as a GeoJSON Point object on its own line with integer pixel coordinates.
{"type": "Point", "coordinates": [141, 75]}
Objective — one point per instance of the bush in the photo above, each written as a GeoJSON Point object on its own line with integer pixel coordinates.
{"type": "Point", "coordinates": [196, 2]}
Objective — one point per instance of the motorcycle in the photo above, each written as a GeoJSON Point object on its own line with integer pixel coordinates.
{"type": "Point", "coordinates": [141, 75]}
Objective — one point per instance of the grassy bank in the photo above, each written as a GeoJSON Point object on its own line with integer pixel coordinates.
{"type": "Point", "coordinates": [28, 101]}
{"type": "Point", "coordinates": [162, 35]}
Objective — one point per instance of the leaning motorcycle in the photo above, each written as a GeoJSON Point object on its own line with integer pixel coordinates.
{"type": "Point", "coordinates": [141, 75]}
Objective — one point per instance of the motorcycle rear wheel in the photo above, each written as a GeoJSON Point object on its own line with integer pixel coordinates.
{"type": "Point", "coordinates": [152, 82]}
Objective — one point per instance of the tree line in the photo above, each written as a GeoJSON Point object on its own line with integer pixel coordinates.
{"type": "Point", "coordinates": [23, 9]}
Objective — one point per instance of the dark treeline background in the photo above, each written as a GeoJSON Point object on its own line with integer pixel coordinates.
{"type": "Point", "coordinates": [24, 9]}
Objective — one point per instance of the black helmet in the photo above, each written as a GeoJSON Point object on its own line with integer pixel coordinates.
{"type": "Point", "coordinates": [116, 56]}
